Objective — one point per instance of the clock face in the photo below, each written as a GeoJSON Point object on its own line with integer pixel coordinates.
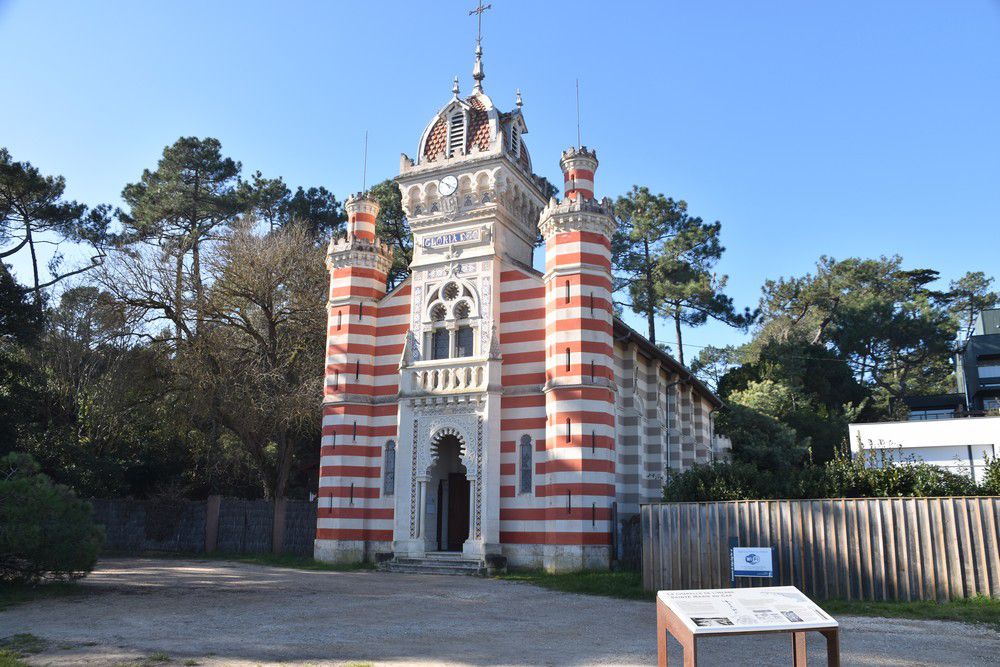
{"type": "Point", "coordinates": [448, 185]}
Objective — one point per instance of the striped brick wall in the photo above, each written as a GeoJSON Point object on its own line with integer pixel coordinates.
{"type": "Point", "coordinates": [522, 407]}
{"type": "Point", "coordinates": [359, 413]}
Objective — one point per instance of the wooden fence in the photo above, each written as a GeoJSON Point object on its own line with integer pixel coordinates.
{"type": "Point", "coordinates": [855, 548]}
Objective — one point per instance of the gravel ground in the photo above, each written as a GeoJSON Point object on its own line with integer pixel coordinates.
{"type": "Point", "coordinates": [220, 613]}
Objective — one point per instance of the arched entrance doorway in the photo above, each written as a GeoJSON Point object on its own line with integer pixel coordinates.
{"type": "Point", "coordinates": [448, 476]}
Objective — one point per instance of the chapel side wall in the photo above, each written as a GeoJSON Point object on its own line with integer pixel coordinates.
{"type": "Point", "coordinates": [522, 412]}
{"type": "Point", "coordinates": [628, 440]}
{"type": "Point", "coordinates": [651, 431]}
{"type": "Point", "coordinates": [392, 326]}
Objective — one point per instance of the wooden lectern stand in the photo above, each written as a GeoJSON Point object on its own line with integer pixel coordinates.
{"type": "Point", "coordinates": [691, 615]}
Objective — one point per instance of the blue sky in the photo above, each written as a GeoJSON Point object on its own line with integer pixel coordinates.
{"type": "Point", "coordinates": [850, 128]}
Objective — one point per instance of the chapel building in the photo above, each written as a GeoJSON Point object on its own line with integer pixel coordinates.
{"type": "Point", "coordinates": [484, 406]}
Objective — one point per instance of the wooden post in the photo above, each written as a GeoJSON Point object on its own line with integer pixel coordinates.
{"type": "Point", "coordinates": [799, 649]}
{"type": "Point", "coordinates": [832, 647]}
{"type": "Point", "coordinates": [212, 523]}
{"type": "Point", "coordinates": [661, 634]}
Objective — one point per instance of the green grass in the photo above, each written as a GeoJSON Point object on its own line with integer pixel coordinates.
{"type": "Point", "coordinates": [15, 647]}
{"type": "Point", "coordinates": [628, 586]}
{"type": "Point", "coordinates": [11, 594]}
{"type": "Point", "coordinates": [978, 609]}
{"type": "Point", "coordinates": [623, 584]}
{"type": "Point", "coordinates": [271, 560]}
{"type": "Point", "coordinates": [10, 659]}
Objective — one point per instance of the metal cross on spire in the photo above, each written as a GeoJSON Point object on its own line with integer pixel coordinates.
{"type": "Point", "coordinates": [478, 11]}
{"type": "Point", "coordinates": [477, 70]}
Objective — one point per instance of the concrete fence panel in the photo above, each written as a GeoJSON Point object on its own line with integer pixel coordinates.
{"type": "Point", "coordinates": [853, 548]}
{"type": "Point", "coordinates": [218, 524]}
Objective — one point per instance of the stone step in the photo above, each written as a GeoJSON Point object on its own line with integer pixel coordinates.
{"type": "Point", "coordinates": [435, 565]}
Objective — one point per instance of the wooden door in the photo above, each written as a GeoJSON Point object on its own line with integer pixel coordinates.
{"type": "Point", "coordinates": [458, 511]}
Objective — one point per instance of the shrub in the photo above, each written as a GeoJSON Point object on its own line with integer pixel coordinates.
{"type": "Point", "coordinates": [45, 530]}
{"type": "Point", "coordinates": [865, 476]}
{"type": "Point", "coordinates": [991, 477]}
{"type": "Point", "coordinates": [720, 481]}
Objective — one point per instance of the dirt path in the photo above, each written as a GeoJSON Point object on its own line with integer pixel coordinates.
{"type": "Point", "coordinates": [219, 613]}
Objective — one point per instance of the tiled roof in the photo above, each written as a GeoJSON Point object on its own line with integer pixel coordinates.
{"type": "Point", "coordinates": [436, 141]}
{"type": "Point", "coordinates": [478, 132]}
{"type": "Point", "coordinates": [479, 126]}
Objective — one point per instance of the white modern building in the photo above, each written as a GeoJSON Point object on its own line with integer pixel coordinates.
{"type": "Point", "coordinates": [961, 445]}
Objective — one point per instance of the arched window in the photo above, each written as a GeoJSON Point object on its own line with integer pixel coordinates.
{"type": "Point", "coordinates": [453, 315]}
{"type": "Point", "coordinates": [525, 460]}
{"type": "Point", "coordinates": [389, 469]}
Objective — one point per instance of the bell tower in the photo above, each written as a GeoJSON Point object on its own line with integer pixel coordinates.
{"type": "Point", "coordinates": [473, 205]}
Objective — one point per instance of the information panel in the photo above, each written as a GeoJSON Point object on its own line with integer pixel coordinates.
{"type": "Point", "coordinates": [732, 610]}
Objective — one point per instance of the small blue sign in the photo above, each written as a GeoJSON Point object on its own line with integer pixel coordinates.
{"type": "Point", "coordinates": [752, 561]}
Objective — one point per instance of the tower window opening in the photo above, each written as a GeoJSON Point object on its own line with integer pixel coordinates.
{"type": "Point", "coordinates": [568, 359]}
{"type": "Point", "coordinates": [389, 469]}
{"type": "Point", "coordinates": [361, 311]}
{"type": "Point", "coordinates": [515, 142]}
{"type": "Point", "coordinates": [354, 431]}
{"type": "Point", "coordinates": [336, 380]}
{"type": "Point", "coordinates": [592, 368]}
{"type": "Point", "coordinates": [340, 319]}
{"type": "Point", "coordinates": [357, 369]}
{"type": "Point", "coordinates": [526, 456]}
{"type": "Point", "coordinates": [567, 291]}
{"type": "Point", "coordinates": [456, 134]}
{"type": "Point", "coordinates": [593, 441]}
{"type": "Point", "coordinates": [569, 429]}
{"type": "Point", "coordinates": [591, 304]}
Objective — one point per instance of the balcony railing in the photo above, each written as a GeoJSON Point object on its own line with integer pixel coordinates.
{"type": "Point", "coordinates": [448, 376]}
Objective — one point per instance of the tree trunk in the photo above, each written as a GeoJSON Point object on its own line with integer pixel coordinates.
{"type": "Point", "coordinates": [280, 487]}
{"type": "Point", "coordinates": [650, 309]}
{"type": "Point", "coordinates": [36, 290]}
{"type": "Point", "coordinates": [677, 330]}
{"type": "Point", "coordinates": [199, 288]}
{"type": "Point", "coordinates": [179, 295]}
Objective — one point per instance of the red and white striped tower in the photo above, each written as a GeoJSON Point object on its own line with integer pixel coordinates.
{"type": "Point", "coordinates": [578, 468]}
{"type": "Point", "coordinates": [350, 458]}
{"type": "Point", "coordinates": [578, 172]}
